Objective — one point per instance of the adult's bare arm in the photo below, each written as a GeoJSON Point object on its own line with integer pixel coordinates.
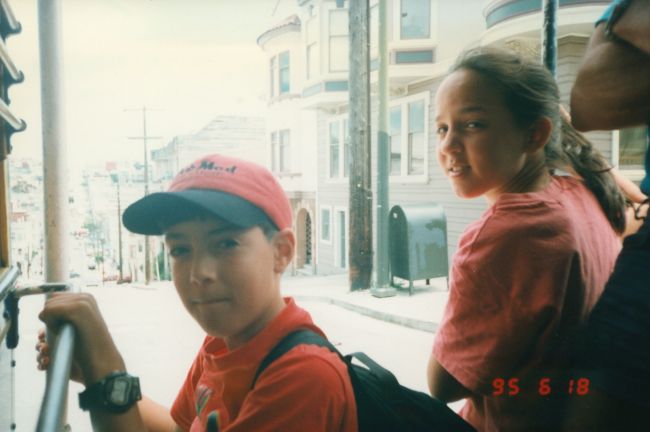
{"type": "Point", "coordinates": [612, 88]}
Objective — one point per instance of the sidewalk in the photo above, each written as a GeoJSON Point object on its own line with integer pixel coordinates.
{"type": "Point", "coordinates": [421, 311]}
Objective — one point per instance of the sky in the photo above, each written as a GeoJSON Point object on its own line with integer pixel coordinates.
{"type": "Point", "coordinates": [187, 61]}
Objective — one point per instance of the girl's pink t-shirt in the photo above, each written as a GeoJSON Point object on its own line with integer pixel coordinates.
{"type": "Point", "coordinates": [524, 279]}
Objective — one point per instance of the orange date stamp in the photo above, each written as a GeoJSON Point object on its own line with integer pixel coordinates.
{"type": "Point", "coordinates": [510, 387]}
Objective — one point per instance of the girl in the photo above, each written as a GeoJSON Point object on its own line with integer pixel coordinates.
{"type": "Point", "coordinates": [528, 272]}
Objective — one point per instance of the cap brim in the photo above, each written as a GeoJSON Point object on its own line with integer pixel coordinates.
{"type": "Point", "coordinates": [152, 213]}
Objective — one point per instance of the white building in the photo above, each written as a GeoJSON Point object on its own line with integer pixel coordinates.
{"type": "Point", "coordinates": [237, 136]}
{"type": "Point", "coordinates": [308, 103]}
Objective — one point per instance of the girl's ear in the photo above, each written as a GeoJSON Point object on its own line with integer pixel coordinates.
{"type": "Point", "coordinates": [284, 245]}
{"type": "Point", "coordinates": [540, 133]}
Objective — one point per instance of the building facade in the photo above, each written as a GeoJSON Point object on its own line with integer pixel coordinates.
{"type": "Point", "coordinates": [308, 61]}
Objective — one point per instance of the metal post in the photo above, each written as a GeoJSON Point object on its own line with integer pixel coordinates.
{"type": "Point", "coordinates": [549, 35]}
{"type": "Point", "coordinates": [55, 169]}
{"type": "Point", "coordinates": [55, 156]}
{"type": "Point", "coordinates": [360, 239]}
{"type": "Point", "coordinates": [382, 288]}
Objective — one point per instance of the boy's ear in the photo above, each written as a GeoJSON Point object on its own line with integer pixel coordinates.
{"type": "Point", "coordinates": [284, 243]}
{"type": "Point", "coordinates": [540, 133]}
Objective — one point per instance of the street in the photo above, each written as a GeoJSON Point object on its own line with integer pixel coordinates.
{"type": "Point", "coordinates": [158, 341]}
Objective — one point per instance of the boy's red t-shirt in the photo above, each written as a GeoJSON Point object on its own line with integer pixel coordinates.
{"type": "Point", "coordinates": [307, 389]}
{"type": "Point", "coordinates": [524, 279]}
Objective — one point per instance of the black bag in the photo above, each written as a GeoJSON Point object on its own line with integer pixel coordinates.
{"type": "Point", "coordinates": [382, 403]}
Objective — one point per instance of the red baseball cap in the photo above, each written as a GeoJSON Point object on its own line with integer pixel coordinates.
{"type": "Point", "coordinates": [237, 191]}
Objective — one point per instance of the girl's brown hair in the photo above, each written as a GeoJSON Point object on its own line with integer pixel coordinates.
{"type": "Point", "coordinates": [530, 93]}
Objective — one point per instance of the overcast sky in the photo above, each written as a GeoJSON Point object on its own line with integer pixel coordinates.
{"type": "Point", "coordinates": [190, 59]}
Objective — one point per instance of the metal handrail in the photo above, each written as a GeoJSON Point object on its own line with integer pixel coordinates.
{"type": "Point", "coordinates": [52, 414]}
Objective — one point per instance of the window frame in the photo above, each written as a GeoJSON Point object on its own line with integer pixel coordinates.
{"type": "Point", "coordinates": [400, 6]}
{"type": "Point", "coordinates": [404, 103]}
{"type": "Point", "coordinates": [338, 36]}
{"type": "Point", "coordinates": [343, 143]}
{"type": "Point", "coordinates": [288, 74]}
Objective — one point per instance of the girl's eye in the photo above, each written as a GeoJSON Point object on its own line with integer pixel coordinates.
{"type": "Point", "coordinates": [473, 125]}
{"type": "Point", "coordinates": [178, 251]}
{"type": "Point", "coordinates": [441, 130]}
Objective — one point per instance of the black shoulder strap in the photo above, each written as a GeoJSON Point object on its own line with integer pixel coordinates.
{"type": "Point", "coordinates": [299, 337]}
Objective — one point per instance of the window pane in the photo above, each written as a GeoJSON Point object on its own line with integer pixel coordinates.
{"type": "Point", "coordinates": [416, 153]}
{"type": "Point", "coordinates": [632, 146]}
{"type": "Point", "coordinates": [334, 149]}
{"type": "Point", "coordinates": [284, 59]}
{"type": "Point", "coordinates": [284, 151]}
{"type": "Point", "coordinates": [343, 240]}
{"type": "Point", "coordinates": [395, 141]}
{"type": "Point", "coordinates": [325, 224]}
{"type": "Point", "coordinates": [416, 138]}
{"type": "Point", "coordinates": [339, 22]}
{"type": "Point", "coordinates": [284, 72]}
{"type": "Point", "coordinates": [346, 149]}
{"type": "Point", "coordinates": [416, 116]}
{"type": "Point", "coordinates": [415, 19]}
{"type": "Point", "coordinates": [339, 53]}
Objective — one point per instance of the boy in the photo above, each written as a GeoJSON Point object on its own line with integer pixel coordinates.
{"type": "Point", "coordinates": [227, 227]}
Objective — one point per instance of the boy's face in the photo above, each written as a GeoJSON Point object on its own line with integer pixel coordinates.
{"type": "Point", "coordinates": [228, 277]}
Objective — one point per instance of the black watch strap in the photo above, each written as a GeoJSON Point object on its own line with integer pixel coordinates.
{"type": "Point", "coordinates": [115, 393]}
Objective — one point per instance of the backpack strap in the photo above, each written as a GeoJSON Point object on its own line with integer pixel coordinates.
{"type": "Point", "coordinates": [388, 381]}
{"type": "Point", "coordinates": [299, 337]}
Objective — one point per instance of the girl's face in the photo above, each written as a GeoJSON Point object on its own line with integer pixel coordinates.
{"type": "Point", "coordinates": [480, 148]}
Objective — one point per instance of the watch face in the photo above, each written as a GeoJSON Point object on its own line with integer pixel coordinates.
{"type": "Point", "coordinates": [119, 393]}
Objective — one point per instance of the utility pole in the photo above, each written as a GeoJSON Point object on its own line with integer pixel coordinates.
{"type": "Point", "coordinates": [360, 240]}
{"type": "Point", "coordinates": [116, 178]}
{"type": "Point", "coordinates": [549, 36]}
{"type": "Point", "coordinates": [382, 287]}
{"type": "Point", "coordinates": [145, 138]}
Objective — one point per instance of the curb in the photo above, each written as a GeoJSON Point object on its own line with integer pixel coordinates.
{"type": "Point", "coordinates": [427, 326]}
{"type": "Point", "coordinates": [417, 324]}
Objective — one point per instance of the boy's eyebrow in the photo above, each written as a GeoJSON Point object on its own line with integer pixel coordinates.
{"type": "Point", "coordinates": [217, 231]}
{"type": "Point", "coordinates": [221, 230]}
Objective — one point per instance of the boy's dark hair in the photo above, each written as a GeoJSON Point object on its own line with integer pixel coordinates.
{"type": "Point", "coordinates": [530, 93]}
